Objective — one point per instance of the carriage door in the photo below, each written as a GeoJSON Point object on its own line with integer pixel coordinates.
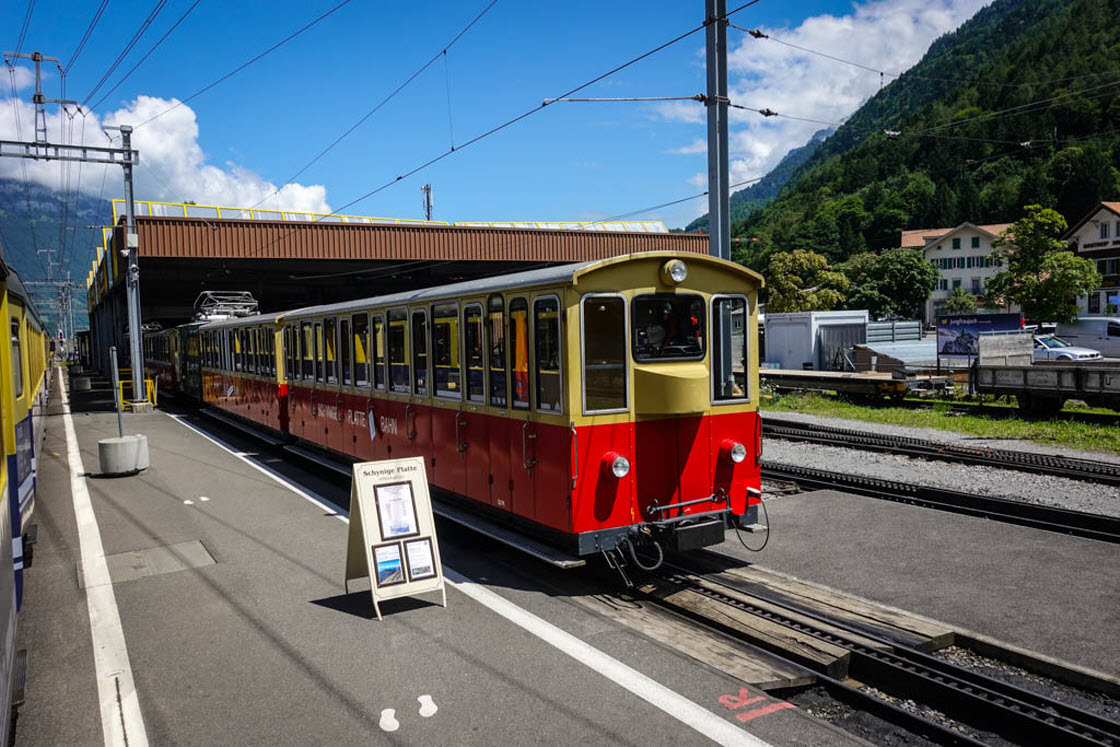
{"type": "Point", "coordinates": [447, 406]}
{"type": "Point", "coordinates": [522, 433]}
{"type": "Point", "coordinates": [552, 446]}
{"type": "Point", "coordinates": [499, 426]}
{"type": "Point", "coordinates": [474, 424]}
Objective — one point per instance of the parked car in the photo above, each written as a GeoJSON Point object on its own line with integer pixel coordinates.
{"type": "Point", "coordinates": [1098, 332]}
{"type": "Point", "coordinates": [1051, 348]}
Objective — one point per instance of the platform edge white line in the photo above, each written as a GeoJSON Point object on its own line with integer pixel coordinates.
{"type": "Point", "coordinates": [674, 704]}
{"type": "Point", "coordinates": [122, 723]}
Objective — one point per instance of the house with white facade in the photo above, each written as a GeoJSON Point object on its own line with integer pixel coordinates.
{"type": "Point", "coordinates": [1096, 237]}
{"type": "Point", "coordinates": [962, 256]}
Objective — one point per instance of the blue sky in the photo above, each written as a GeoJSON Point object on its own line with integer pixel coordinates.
{"type": "Point", "coordinates": [236, 143]}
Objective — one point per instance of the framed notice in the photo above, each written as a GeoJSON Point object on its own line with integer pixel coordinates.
{"type": "Point", "coordinates": [388, 570]}
{"type": "Point", "coordinates": [396, 510]}
{"type": "Point", "coordinates": [421, 562]}
{"type": "Point", "coordinates": [392, 536]}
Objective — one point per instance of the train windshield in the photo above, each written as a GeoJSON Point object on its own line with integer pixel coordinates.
{"type": "Point", "coordinates": [667, 326]}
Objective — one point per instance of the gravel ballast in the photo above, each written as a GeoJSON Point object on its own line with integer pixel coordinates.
{"type": "Point", "coordinates": [1023, 486]}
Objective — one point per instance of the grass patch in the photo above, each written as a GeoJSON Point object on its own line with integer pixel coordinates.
{"type": "Point", "coordinates": [940, 415]}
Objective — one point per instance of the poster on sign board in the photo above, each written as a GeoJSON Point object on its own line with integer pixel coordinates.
{"type": "Point", "coordinates": [392, 539]}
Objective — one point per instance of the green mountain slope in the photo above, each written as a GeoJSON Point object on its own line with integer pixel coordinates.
{"type": "Point", "coordinates": [21, 237]}
{"type": "Point", "coordinates": [762, 193]}
{"type": "Point", "coordinates": [1019, 105]}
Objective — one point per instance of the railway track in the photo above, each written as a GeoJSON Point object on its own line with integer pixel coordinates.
{"type": "Point", "coordinates": [1078, 523]}
{"type": "Point", "coordinates": [1047, 464]}
{"type": "Point", "coordinates": [965, 696]}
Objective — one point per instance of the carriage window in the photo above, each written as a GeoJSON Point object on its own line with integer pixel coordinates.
{"type": "Point", "coordinates": [398, 351]}
{"type": "Point", "coordinates": [445, 350]}
{"type": "Point", "coordinates": [496, 328]}
{"type": "Point", "coordinates": [668, 326]}
{"type": "Point", "coordinates": [17, 362]}
{"type": "Point", "coordinates": [330, 355]}
{"type": "Point", "coordinates": [237, 348]}
{"type": "Point", "coordinates": [289, 353]}
{"type": "Point", "coordinates": [251, 350]}
{"type": "Point", "coordinates": [729, 349]}
{"type": "Point", "coordinates": [360, 330]}
{"type": "Point", "coordinates": [475, 356]}
{"type": "Point", "coordinates": [419, 354]}
{"type": "Point", "coordinates": [546, 338]}
{"type": "Point", "coordinates": [378, 351]}
{"type": "Point", "coordinates": [268, 365]}
{"type": "Point", "coordinates": [345, 341]}
{"type": "Point", "coordinates": [307, 348]}
{"type": "Point", "coordinates": [604, 354]}
{"type": "Point", "coordinates": [519, 351]}
{"type": "Point", "coordinates": [317, 351]}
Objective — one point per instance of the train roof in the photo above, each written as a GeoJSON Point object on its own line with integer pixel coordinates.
{"type": "Point", "coordinates": [566, 273]}
{"type": "Point", "coordinates": [18, 289]}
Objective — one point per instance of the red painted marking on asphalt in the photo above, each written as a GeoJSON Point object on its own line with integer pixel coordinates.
{"type": "Point", "coordinates": [755, 713]}
{"type": "Point", "coordinates": [740, 700]}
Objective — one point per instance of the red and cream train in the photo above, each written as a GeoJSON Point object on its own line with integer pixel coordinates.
{"type": "Point", "coordinates": [592, 405]}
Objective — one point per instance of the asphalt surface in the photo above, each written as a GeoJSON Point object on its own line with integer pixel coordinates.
{"type": "Point", "coordinates": [263, 646]}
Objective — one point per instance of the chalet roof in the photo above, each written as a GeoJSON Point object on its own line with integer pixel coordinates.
{"type": "Point", "coordinates": [920, 238]}
{"type": "Point", "coordinates": [1113, 207]}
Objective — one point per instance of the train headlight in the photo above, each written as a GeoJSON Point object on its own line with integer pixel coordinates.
{"type": "Point", "coordinates": [674, 272]}
{"type": "Point", "coordinates": [735, 450]}
{"type": "Point", "coordinates": [620, 465]}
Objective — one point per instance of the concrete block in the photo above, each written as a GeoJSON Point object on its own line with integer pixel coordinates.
{"type": "Point", "coordinates": [124, 455]}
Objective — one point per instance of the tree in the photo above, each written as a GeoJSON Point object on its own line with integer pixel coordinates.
{"type": "Point", "coordinates": [802, 281]}
{"type": "Point", "coordinates": [1041, 276]}
{"type": "Point", "coordinates": [960, 302]}
{"type": "Point", "coordinates": [895, 283]}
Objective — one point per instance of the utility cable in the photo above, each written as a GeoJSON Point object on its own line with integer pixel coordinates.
{"type": "Point", "coordinates": [85, 37]}
{"type": "Point", "coordinates": [127, 48]}
{"type": "Point", "coordinates": [246, 64]}
{"type": "Point", "coordinates": [26, 25]}
{"type": "Point", "coordinates": [147, 54]}
{"type": "Point", "coordinates": [380, 104]}
{"type": "Point", "coordinates": [23, 162]}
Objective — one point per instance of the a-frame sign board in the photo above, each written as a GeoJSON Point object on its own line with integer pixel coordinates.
{"type": "Point", "coordinates": [392, 538]}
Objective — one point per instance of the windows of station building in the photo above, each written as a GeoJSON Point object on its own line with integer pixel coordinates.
{"type": "Point", "coordinates": [975, 242]}
{"type": "Point", "coordinates": [419, 353]}
{"type": "Point", "coordinates": [1104, 229]}
{"type": "Point", "coordinates": [474, 353]}
{"type": "Point", "coordinates": [445, 350]}
{"type": "Point", "coordinates": [496, 352]}
{"type": "Point", "coordinates": [330, 352]}
{"type": "Point", "coordinates": [546, 348]}
{"type": "Point", "coordinates": [378, 351]}
{"type": "Point", "coordinates": [17, 359]}
{"type": "Point", "coordinates": [957, 243]}
{"type": "Point", "coordinates": [519, 352]}
{"type": "Point", "coordinates": [729, 349]}
{"type": "Point", "coordinates": [345, 349]}
{"type": "Point", "coordinates": [603, 333]}
{"type": "Point", "coordinates": [399, 370]}
{"type": "Point", "coordinates": [359, 331]}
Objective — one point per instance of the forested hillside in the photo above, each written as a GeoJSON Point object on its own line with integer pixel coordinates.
{"type": "Point", "coordinates": [762, 193]}
{"type": "Point", "coordinates": [1020, 105]}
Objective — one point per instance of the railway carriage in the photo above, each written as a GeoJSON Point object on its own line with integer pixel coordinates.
{"type": "Point", "coordinates": [591, 405]}
{"type": "Point", "coordinates": [24, 360]}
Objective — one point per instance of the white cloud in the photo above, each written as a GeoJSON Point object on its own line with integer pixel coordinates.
{"type": "Point", "coordinates": [172, 167]}
{"type": "Point", "coordinates": [889, 35]}
{"type": "Point", "coordinates": [697, 146]}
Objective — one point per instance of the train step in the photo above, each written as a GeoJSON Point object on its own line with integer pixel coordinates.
{"type": "Point", "coordinates": [19, 678]}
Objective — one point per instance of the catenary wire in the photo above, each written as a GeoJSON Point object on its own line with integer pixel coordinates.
{"type": "Point", "coordinates": [85, 37]}
{"type": "Point", "coordinates": [26, 25]}
{"type": "Point", "coordinates": [246, 64]}
{"type": "Point", "coordinates": [380, 104]}
{"type": "Point", "coordinates": [127, 49]}
{"type": "Point", "coordinates": [147, 54]}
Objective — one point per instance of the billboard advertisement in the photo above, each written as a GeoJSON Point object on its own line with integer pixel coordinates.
{"type": "Point", "coordinates": [958, 335]}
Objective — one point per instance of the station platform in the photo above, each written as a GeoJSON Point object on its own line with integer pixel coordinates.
{"type": "Point", "coordinates": [222, 619]}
